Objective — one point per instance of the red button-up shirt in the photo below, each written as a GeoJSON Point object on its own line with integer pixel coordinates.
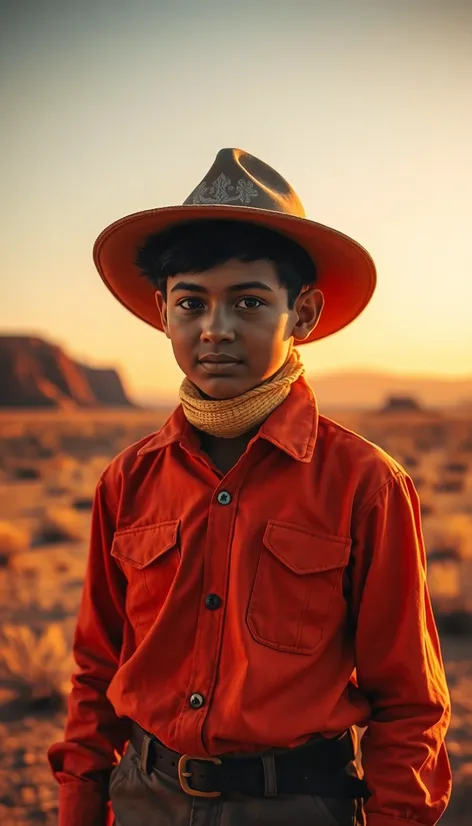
{"type": "Point", "coordinates": [313, 544]}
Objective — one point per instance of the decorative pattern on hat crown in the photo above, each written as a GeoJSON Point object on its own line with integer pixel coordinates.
{"type": "Point", "coordinates": [222, 191]}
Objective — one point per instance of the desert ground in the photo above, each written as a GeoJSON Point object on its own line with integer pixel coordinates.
{"type": "Point", "coordinates": [49, 464]}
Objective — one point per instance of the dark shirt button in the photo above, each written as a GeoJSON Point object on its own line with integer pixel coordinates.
{"type": "Point", "coordinates": [224, 498]}
{"type": "Point", "coordinates": [196, 701]}
{"type": "Point", "coordinates": [212, 601]}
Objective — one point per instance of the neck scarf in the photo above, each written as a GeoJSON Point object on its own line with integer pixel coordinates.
{"type": "Point", "coordinates": [228, 418]}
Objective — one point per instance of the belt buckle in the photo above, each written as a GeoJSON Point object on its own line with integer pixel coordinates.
{"type": "Point", "coordinates": [183, 774]}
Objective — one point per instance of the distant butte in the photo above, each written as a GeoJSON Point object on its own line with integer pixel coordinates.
{"type": "Point", "coordinates": [401, 404]}
{"type": "Point", "coordinates": [37, 373]}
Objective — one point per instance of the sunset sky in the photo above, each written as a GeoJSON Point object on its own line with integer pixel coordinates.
{"type": "Point", "coordinates": [365, 107]}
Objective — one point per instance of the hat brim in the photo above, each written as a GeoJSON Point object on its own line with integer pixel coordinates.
{"type": "Point", "coordinates": [346, 271]}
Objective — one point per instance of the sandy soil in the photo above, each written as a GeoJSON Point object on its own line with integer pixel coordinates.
{"type": "Point", "coordinates": [42, 558]}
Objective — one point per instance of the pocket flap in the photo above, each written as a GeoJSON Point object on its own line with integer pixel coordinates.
{"type": "Point", "coordinates": [306, 553]}
{"type": "Point", "coordinates": [141, 546]}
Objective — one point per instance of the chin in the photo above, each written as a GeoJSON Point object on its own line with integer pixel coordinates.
{"type": "Point", "coordinates": [220, 389]}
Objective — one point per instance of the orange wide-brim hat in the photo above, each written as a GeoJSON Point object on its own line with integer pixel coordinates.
{"type": "Point", "coordinates": [241, 187]}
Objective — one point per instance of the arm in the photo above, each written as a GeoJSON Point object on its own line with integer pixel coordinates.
{"type": "Point", "coordinates": [399, 663]}
{"type": "Point", "coordinates": [83, 762]}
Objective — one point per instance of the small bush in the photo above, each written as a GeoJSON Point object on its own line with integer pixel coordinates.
{"type": "Point", "coordinates": [450, 486]}
{"type": "Point", "coordinates": [444, 554]}
{"type": "Point", "coordinates": [13, 540]}
{"type": "Point", "coordinates": [452, 531]}
{"type": "Point", "coordinates": [29, 572]}
{"type": "Point", "coordinates": [83, 503]}
{"type": "Point", "coordinates": [63, 471]}
{"type": "Point", "coordinates": [456, 467]}
{"type": "Point", "coordinates": [59, 525]}
{"type": "Point", "coordinates": [26, 473]}
{"type": "Point", "coordinates": [426, 510]}
{"type": "Point", "coordinates": [37, 667]}
{"type": "Point", "coordinates": [410, 462]}
{"type": "Point", "coordinates": [57, 490]}
{"type": "Point", "coordinates": [455, 623]}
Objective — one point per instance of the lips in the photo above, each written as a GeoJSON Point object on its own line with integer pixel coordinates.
{"type": "Point", "coordinates": [219, 364]}
{"type": "Point", "coordinates": [219, 358]}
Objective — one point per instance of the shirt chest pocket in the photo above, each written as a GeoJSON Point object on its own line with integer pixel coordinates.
{"type": "Point", "coordinates": [297, 592]}
{"type": "Point", "coordinates": [149, 558]}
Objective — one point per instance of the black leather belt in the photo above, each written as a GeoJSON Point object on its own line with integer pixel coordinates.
{"type": "Point", "coordinates": [317, 768]}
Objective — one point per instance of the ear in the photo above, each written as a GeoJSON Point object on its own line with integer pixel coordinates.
{"type": "Point", "coordinates": [308, 307]}
{"type": "Point", "coordinates": [162, 308]}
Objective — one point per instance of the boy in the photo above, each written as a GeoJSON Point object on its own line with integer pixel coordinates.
{"type": "Point", "coordinates": [256, 579]}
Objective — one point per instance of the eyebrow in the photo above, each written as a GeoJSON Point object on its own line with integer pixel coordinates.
{"type": "Point", "coordinates": [189, 286]}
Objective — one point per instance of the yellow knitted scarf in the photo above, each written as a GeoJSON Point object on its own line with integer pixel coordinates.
{"type": "Point", "coordinates": [228, 418]}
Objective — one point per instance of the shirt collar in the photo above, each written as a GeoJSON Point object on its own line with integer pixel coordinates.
{"type": "Point", "coordinates": [292, 427]}
{"type": "Point", "coordinates": [171, 431]}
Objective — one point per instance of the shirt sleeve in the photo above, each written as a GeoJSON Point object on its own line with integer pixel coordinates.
{"type": "Point", "coordinates": [82, 763]}
{"type": "Point", "coordinates": [399, 664]}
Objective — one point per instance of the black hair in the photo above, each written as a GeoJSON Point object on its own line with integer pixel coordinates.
{"type": "Point", "coordinates": [200, 245]}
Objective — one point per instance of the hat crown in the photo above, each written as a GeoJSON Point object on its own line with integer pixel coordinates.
{"type": "Point", "coordinates": [238, 179]}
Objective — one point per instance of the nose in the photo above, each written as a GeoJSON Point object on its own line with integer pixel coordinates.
{"type": "Point", "coordinates": [217, 327]}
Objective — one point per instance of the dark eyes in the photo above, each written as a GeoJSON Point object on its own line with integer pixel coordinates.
{"type": "Point", "coordinates": [243, 303]}
{"type": "Point", "coordinates": [251, 303]}
{"type": "Point", "coordinates": [189, 304]}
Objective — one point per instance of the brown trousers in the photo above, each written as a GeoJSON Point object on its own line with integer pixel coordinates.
{"type": "Point", "coordinates": [140, 799]}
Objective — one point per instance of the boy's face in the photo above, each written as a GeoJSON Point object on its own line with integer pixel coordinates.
{"type": "Point", "coordinates": [231, 327]}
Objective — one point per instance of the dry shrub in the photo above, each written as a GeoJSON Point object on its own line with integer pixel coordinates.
{"type": "Point", "coordinates": [452, 531]}
{"type": "Point", "coordinates": [98, 463]}
{"type": "Point", "coordinates": [59, 524]}
{"type": "Point", "coordinates": [444, 580]}
{"type": "Point", "coordinates": [63, 472]}
{"type": "Point", "coordinates": [35, 595]}
{"type": "Point", "coordinates": [26, 474]}
{"type": "Point", "coordinates": [28, 572]}
{"type": "Point", "coordinates": [410, 462]}
{"type": "Point", "coordinates": [450, 486]}
{"type": "Point", "coordinates": [427, 509]}
{"type": "Point", "coordinates": [83, 503]}
{"type": "Point", "coordinates": [90, 472]}
{"type": "Point", "coordinates": [456, 623]}
{"type": "Point", "coordinates": [431, 463]}
{"type": "Point", "coordinates": [36, 667]}
{"type": "Point", "coordinates": [13, 540]}
{"type": "Point", "coordinates": [57, 492]}
{"type": "Point", "coordinates": [456, 467]}
{"type": "Point", "coordinates": [22, 567]}
{"type": "Point", "coordinates": [63, 463]}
